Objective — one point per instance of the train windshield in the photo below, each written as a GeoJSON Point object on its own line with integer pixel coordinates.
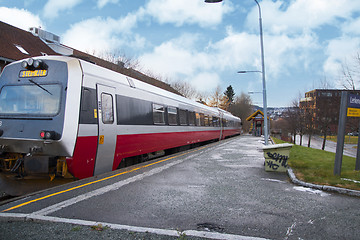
{"type": "Point", "coordinates": [30, 100]}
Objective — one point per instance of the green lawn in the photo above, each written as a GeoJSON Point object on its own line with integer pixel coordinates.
{"type": "Point", "coordinates": [348, 139]}
{"type": "Point", "coordinates": [317, 166]}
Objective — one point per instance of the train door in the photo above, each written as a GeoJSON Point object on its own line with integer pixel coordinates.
{"type": "Point", "coordinates": [107, 129]}
{"type": "Point", "coordinates": [221, 115]}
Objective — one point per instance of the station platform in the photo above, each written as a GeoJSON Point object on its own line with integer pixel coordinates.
{"type": "Point", "coordinates": [217, 191]}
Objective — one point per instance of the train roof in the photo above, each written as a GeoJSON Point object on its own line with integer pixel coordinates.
{"type": "Point", "coordinates": [93, 69]}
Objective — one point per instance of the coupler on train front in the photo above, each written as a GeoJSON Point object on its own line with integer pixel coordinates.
{"type": "Point", "coordinates": [27, 166]}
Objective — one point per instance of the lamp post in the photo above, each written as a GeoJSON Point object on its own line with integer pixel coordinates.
{"type": "Point", "coordinates": [266, 136]}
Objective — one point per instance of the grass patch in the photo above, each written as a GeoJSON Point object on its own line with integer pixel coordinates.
{"type": "Point", "coordinates": [317, 166]}
{"type": "Point", "coordinates": [348, 139]}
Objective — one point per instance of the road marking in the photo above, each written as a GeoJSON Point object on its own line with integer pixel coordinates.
{"type": "Point", "coordinates": [273, 180]}
{"type": "Point", "coordinates": [107, 178]}
{"type": "Point", "coordinates": [159, 231]}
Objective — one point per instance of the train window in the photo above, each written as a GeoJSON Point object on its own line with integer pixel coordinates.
{"type": "Point", "coordinates": [172, 116]}
{"type": "Point", "coordinates": [202, 119]}
{"type": "Point", "coordinates": [198, 119]}
{"type": "Point", "coordinates": [206, 120]}
{"type": "Point", "coordinates": [215, 121]}
{"type": "Point", "coordinates": [132, 111]}
{"type": "Point", "coordinates": [86, 100]}
{"type": "Point", "coordinates": [31, 100]}
{"type": "Point", "coordinates": [88, 107]}
{"type": "Point", "coordinates": [224, 122]}
{"type": "Point", "coordinates": [183, 117]}
{"type": "Point", "coordinates": [158, 114]}
{"type": "Point", "coordinates": [191, 118]}
{"type": "Point", "coordinates": [107, 110]}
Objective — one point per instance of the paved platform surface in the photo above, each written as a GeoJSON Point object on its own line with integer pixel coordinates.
{"type": "Point", "coordinates": [220, 191]}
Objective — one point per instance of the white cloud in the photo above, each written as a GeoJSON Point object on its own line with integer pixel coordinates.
{"type": "Point", "coordinates": [237, 49]}
{"type": "Point", "coordinates": [180, 59]}
{"type": "Point", "coordinates": [299, 15]}
{"type": "Point", "coordinates": [53, 7]}
{"type": "Point", "coordinates": [205, 81]}
{"type": "Point", "coordinates": [103, 3]}
{"type": "Point", "coordinates": [173, 58]}
{"type": "Point", "coordinates": [241, 51]}
{"type": "Point", "coordinates": [283, 53]}
{"type": "Point", "coordinates": [340, 50]}
{"type": "Point", "coordinates": [20, 18]}
{"type": "Point", "coordinates": [187, 12]}
{"type": "Point", "coordinates": [104, 34]}
{"type": "Point", "coordinates": [352, 27]}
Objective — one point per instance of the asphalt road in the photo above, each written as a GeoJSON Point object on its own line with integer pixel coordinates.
{"type": "Point", "coordinates": [221, 189]}
{"type": "Point", "coordinates": [330, 146]}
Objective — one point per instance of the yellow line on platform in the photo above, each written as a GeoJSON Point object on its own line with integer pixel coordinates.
{"type": "Point", "coordinates": [100, 180]}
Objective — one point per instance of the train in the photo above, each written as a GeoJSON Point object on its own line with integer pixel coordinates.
{"type": "Point", "coordinates": [64, 116]}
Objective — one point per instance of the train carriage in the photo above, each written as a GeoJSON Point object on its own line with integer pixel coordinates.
{"type": "Point", "coordinates": [60, 114]}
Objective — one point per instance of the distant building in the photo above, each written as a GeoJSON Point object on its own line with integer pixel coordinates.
{"type": "Point", "coordinates": [17, 44]}
{"type": "Point", "coordinates": [323, 107]}
{"type": "Point", "coordinates": [257, 123]}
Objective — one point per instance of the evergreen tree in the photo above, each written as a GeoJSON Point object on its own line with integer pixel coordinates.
{"type": "Point", "coordinates": [229, 93]}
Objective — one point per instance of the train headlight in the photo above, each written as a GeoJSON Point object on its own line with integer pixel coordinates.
{"type": "Point", "coordinates": [32, 64]}
{"type": "Point", "coordinates": [37, 63]}
{"type": "Point", "coordinates": [24, 64]}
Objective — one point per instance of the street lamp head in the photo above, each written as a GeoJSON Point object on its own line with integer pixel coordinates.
{"type": "Point", "coordinates": [213, 1]}
{"type": "Point", "coordinates": [249, 71]}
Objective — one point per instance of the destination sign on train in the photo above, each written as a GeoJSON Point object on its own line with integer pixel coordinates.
{"type": "Point", "coordinates": [33, 73]}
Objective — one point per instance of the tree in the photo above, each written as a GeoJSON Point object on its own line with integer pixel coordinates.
{"type": "Point", "coordinates": [324, 118]}
{"type": "Point", "coordinates": [185, 89]}
{"type": "Point", "coordinates": [219, 100]}
{"type": "Point", "coordinates": [242, 108]}
{"type": "Point", "coordinates": [119, 58]}
{"type": "Point", "coordinates": [292, 117]}
{"type": "Point", "coordinates": [351, 73]}
{"type": "Point", "coordinates": [229, 93]}
{"type": "Point", "coordinates": [308, 114]}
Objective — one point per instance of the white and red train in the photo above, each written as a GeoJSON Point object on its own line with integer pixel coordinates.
{"type": "Point", "coordinates": [61, 114]}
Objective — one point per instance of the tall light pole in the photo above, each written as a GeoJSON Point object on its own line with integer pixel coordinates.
{"type": "Point", "coordinates": [266, 136]}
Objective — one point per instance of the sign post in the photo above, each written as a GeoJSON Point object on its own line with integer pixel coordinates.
{"type": "Point", "coordinates": [341, 133]}
{"type": "Point", "coordinates": [349, 107]}
{"type": "Point", "coordinates": [357, 164]}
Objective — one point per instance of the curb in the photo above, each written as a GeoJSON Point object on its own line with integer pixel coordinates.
{"type": "Point", "coordinates": [296, 181]}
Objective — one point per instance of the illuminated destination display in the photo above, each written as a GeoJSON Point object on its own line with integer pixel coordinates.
{"type": "Point", "coordinates": [35, 73]}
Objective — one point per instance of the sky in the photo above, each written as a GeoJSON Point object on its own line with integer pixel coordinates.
{"type": "Point", "coordinates": [306, 42]}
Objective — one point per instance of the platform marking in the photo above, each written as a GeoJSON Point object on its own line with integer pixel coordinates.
{"type": "Point", "coordinates": [158, 231]}
{"type": "Point", "coordinates": [110, 187]}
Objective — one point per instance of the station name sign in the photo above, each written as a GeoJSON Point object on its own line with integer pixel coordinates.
{"type": "Point", "coordinates": [353, 106]}
{"type": "Point", "coordinates": [35, 73]}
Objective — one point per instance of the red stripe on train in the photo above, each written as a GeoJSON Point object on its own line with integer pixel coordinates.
{"type": "Point", "coordinates": [82, 164]}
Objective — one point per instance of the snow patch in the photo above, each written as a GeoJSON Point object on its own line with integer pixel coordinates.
{"type": "Point", "coordinates": [312, 191]}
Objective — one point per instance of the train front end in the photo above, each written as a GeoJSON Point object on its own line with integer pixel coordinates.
{"type": "Point", "coordinates": [39, 105]}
